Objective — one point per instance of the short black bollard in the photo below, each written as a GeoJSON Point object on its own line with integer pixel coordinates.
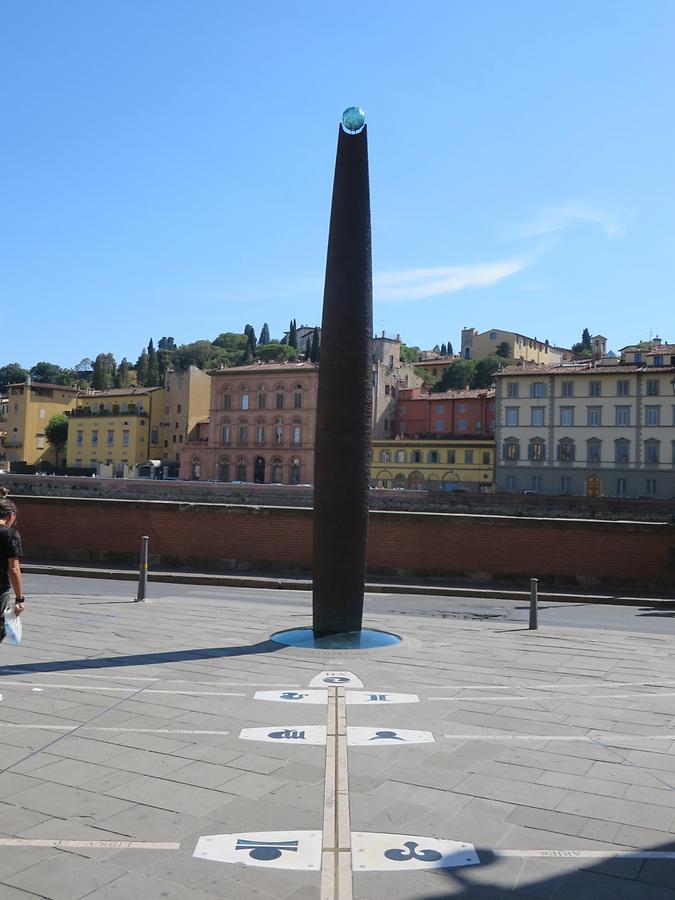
{"type": "Point", "coordinates": [143, 569]}
{"type": "Point", "coordinates": [533, 604]}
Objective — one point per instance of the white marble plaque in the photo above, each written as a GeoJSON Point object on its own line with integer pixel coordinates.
{"type": "Point", "coordinates": [301, 696]}
{"type": "Point", "coordinates": [269, 849]}
{"type": "Point", "coordinates": [352, 697]}
{"type": "Point", "coordinates": [386, 852]}
{"type": "Point", "coordinates": [286, 734]}
{"type": "Point", "coordinates": [380, 737]}
{"type": "Point", "coordinates": [336, 679]}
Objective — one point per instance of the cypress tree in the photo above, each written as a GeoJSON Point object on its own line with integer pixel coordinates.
{"type": "Point", "coordinates": [315, 350]}
{"type": "Point", "coordinates": [264, 335]}
{"type": "Point", "coordinates": [152, 378]}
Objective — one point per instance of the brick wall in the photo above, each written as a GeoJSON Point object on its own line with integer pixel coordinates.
{"type": "Point", "coordinates": [211, 536]}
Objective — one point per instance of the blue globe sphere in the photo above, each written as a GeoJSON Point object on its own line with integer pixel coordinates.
{"type": "Point", "coordinates": [353, 119]}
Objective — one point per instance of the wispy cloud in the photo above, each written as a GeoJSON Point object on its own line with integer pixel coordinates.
{"type": "Point", "coordinates": [567, 216]}
{"type": "Point", "coordinates": [419, 284]}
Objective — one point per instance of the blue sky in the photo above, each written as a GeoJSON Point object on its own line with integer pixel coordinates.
{"type": "Point", "coordinates": [167, 168]}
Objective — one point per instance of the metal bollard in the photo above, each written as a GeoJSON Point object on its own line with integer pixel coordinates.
{"type": "Point", "coordinates": [533, 604]}
{"type": "Point", "coordinates": [143, 569]}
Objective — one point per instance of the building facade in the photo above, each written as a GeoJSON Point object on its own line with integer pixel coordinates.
{"type": "Point", "coordinates": [433, 465]}
{"type": "Point", "coordinates": [30, 406]}
{"type": "Point", "coordinates": [260, 426]}
{"type": "Point", "coordinates": [114, 432]}
{"type": "Point", "coordinates": [469, 413]}
{"type": "Point", "coordinates": [604, 428]}
{"type": "Point", "coordinates": [187, 397]}
{"type": "Point", "coordinates": [477, 346]}
{"type": "Point", "coordinates": [390, 376]}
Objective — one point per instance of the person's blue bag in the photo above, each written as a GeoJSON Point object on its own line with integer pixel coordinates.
{"type": "Point", "coordinates": [13, 627]}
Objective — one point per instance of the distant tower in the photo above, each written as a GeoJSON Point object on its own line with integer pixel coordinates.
{"type": "Point", "coordinates": [468, 335]}
{"type": "Point", "coordinates": [598, 346]}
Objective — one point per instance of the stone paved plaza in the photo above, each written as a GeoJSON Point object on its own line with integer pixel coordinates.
{"type": "Point", "coordinates": [551, 752]}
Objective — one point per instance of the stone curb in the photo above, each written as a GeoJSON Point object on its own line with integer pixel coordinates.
{"type": "Point", "coordinates": [303, 584]}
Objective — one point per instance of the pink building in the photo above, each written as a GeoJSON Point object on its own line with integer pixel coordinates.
{"type": "Point", "coordinates": [260, 426]}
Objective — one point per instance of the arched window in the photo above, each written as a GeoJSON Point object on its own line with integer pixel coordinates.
{"type": "Point", "coordinates": [278, 431]}
{"type": "Point", "coordinates": [279, 396]}
{"type": "Point", "coordinates": [224, 469]}
{"type": "Point", "coordinates": [511, 450]}
{"type": "Point", "coordinates": [226, 431]}
{"type": "Point", "coordinates": [652, 452]}
{"type": "Point", "coordinates": [277, 470]}
{"type": "Point", "coordinates": [536, 451]}
{"type": "Point", "coordinates": [243, 431]}
{"type": "Point", "coordinates": [244, 396]}
{"type": "Point", "coordinates": [296, 433]}
{"type": "Point", "coordinates": [621, 450]}
{"type": "Point", "coordinates": [593, 450]}
{"type": "Point", "coordinates": [241, 469]}
{"type": "Point", "coordinates": [297, 397]}
{"type": "Point", "coordinates": [227, 398]}
{"type": "Point", "coordinates": [295, 470]}
{"type": "Point", "coordinates": [260, 432]}
{"type": "Point", "coordinates": [196, 468]}
{"type": "Point", "coordinates": [566, 450]}
{"type": "Point", "coordinates": [261, 396]}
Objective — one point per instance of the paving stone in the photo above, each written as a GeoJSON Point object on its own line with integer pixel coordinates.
{"type": "Point", "coordinates": [64, 877]}
{"type": "Point", "coordinates": [63, 801]}
{"type": "Point", "coordinates": [623, 811]}
{"type": "Point", "coordinates": [510, 791]}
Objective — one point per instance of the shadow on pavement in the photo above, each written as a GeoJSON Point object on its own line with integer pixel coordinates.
{"type": "Point", "coordinates": [620, 877]}
{"type": "Point", "coordinates": [659, 613]}
{"type": "Point", "coordinates": [142, 659]}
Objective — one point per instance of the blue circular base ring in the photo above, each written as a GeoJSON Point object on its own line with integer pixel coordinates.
{"type": "Point", "coordinates": [366, 639]}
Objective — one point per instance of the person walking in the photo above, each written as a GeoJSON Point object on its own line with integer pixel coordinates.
{"type": "Point", "coordinates": [10, 556]}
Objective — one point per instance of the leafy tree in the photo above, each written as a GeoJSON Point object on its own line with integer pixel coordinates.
{"type": "Point", "coordinates": [584, 347]}
{"type": "Point", "coordinates": [84, 365]}
{"type": "Point", "coordinates": [56, 432]}
{"type": "Point", "coordinates": [276, 352]}
{"type": "Point", "coordinates": [12, 373]}
{"type": "Point", "coordinates": [409, 354]}
{"type": "Point", "coordinates": [249, 331]}
{"type": "Point", "coordinates": [122, 377]}
{"type": "Point", "coordinates": [195, 354]}
{"type": "Point", "coordinates": [315, 349]}
{"type": "Point", "coordinates": [142, 368]}
{"type": "Point", "coordinates": [293, 334]}
{"type": "Point", "coordinates": [152, 378]}
{"type": "Point", "coordinates": [47, 373]}
{"type": "Point", "coordinates": [166, 343]}
{"type": "Point", "coordinates": [503, 350]}
{"type": "Point", "coordinates": [436, 348]}
{"type": "Point", "coordinates": [104, 370]}
{"type": "Point", "coordinates": [264, 335]}
{"type": "Point", "coordinates": [458, 375]}
{"type": "Point", "coordinates": [484, 372]}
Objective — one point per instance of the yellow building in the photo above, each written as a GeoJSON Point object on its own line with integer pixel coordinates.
{"type": "Point", "coordinates": [115, 431]}
{"type": "Point", "coordinates": [434, 465]}
{"type": "Point", "coordinates": [187, 397]}
{"type": "Point", "coordinates": [477, 346]}
{"type": "Point", "coordinates": [432, 370]}
{"type": "Point", "coordinates": [30, 406]}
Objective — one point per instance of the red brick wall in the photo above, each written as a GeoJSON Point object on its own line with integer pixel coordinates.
{"type": "Point", "coordinates": [214, 536]}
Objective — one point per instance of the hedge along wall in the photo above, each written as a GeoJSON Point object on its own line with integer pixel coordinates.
{"type": "Point", "coordinates": [210, 536]}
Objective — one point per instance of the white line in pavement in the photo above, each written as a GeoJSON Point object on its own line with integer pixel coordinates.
{"type": "Point", "coordinates": [599, 682]}
{"type": "Point", "coordinates": [586, 854]}
{"type": "Point", "coordinates": [501, 697]}
{"type": "Point", "coordinates": [104, 845]}
{"type": "Point", "coordinates": [152, 678]}
{"type": "Point", "coordinates": [604, 738]}
{"type": "Point", "coordinates": [120, 728]}
{"type": "Point", "coordinates": [96, 687]}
